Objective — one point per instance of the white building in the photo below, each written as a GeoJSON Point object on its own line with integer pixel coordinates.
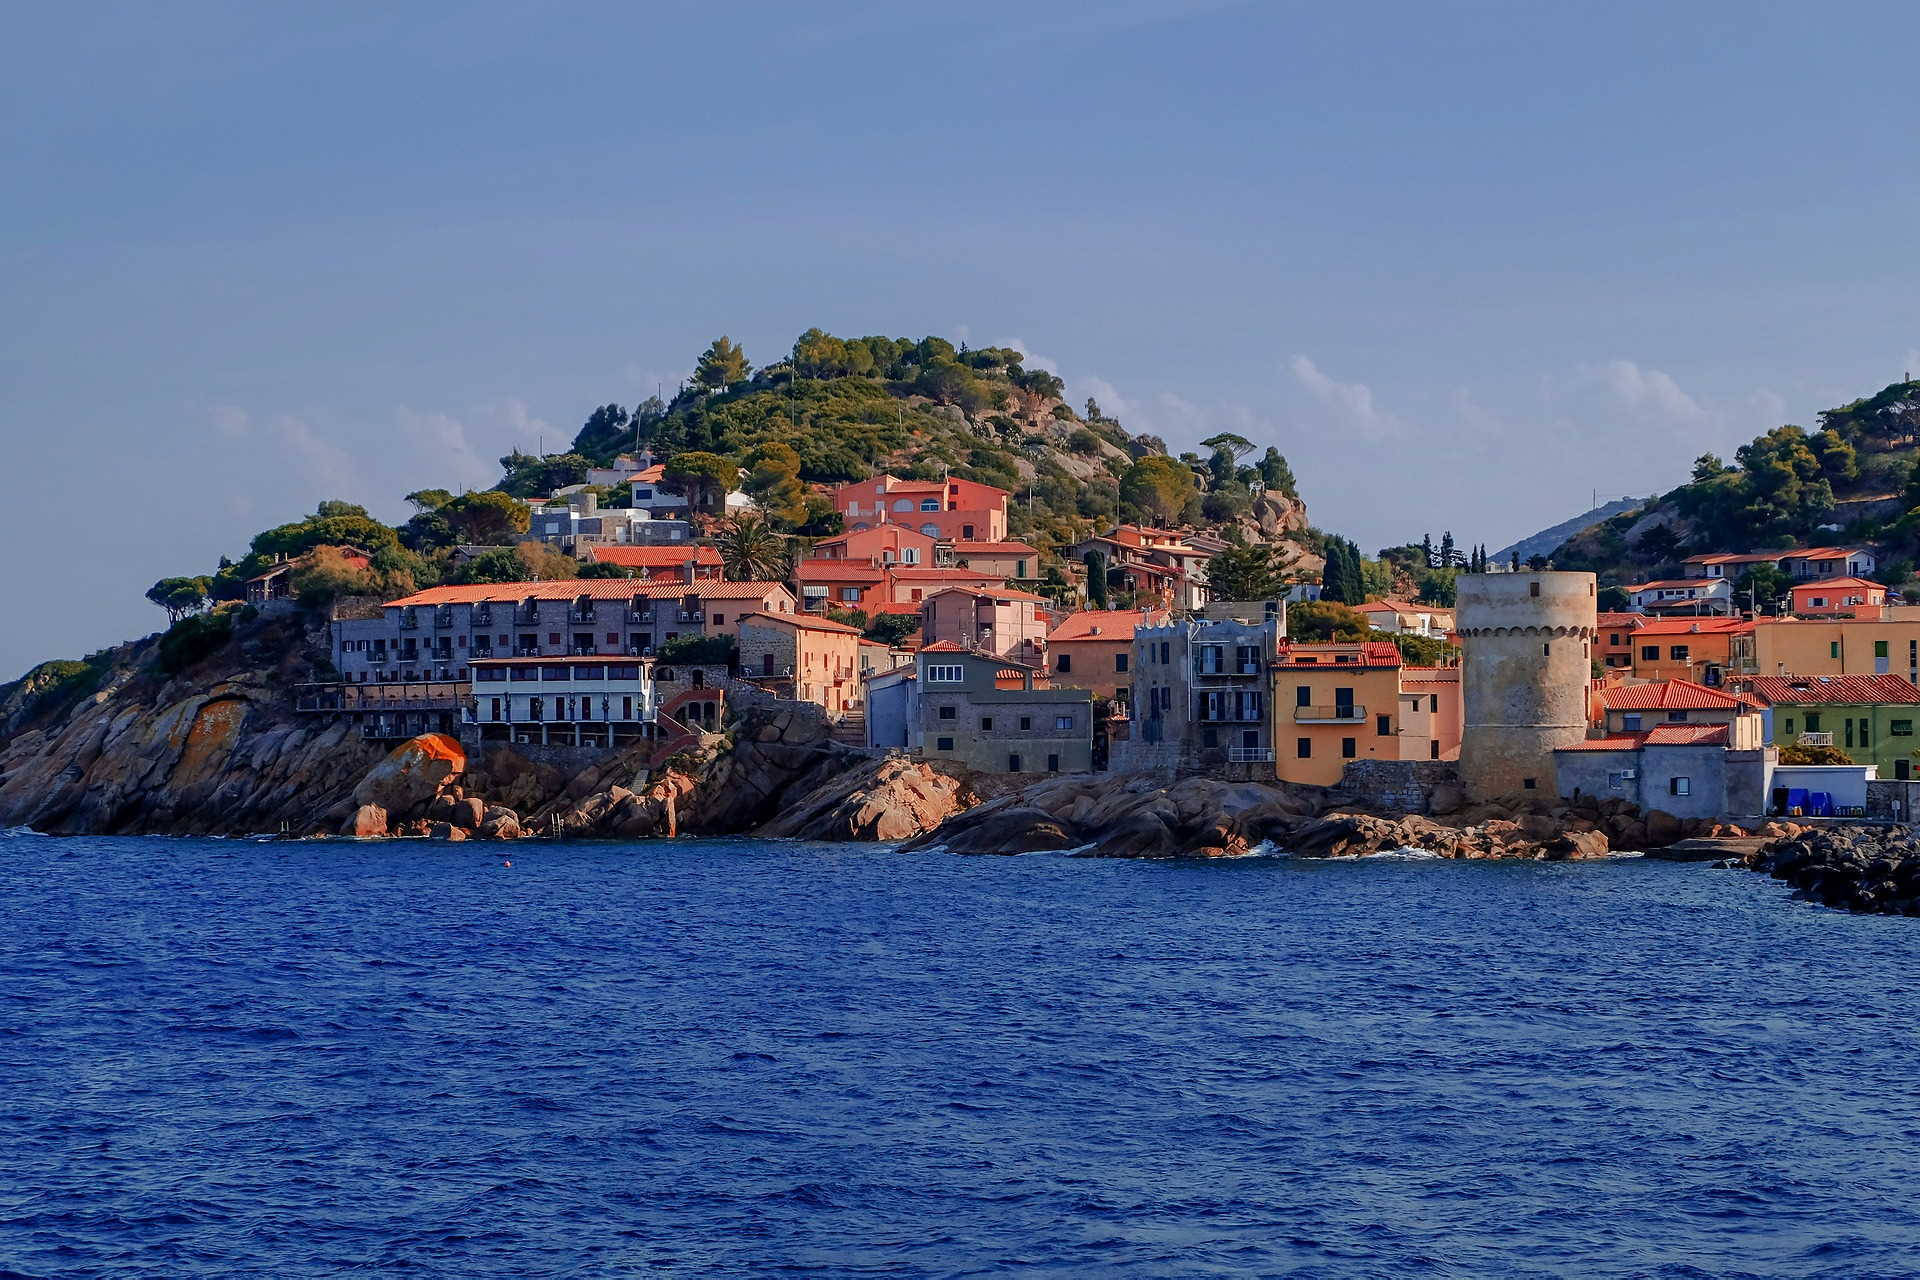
{"type": "Point", "coordinates": [584, 701]}
{"type": "Point", "coordinates": [1706, 596]}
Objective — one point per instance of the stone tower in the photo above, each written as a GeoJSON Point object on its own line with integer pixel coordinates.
{"type": "Point", "coordinates": [1527, 640]}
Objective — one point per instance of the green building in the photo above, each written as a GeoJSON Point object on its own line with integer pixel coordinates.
{"type": "Point", "coordinates": [1873, 719]}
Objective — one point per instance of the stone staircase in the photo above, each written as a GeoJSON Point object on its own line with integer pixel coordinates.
{"type": "Point", "coordinates": [851, 729]}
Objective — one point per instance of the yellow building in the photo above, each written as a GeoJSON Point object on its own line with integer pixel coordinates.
{"type": "Point", "coordinates": [1698, 649]}
{"type": "Point", "coordinates": [1333, 703]}
{"type": "Point", "coordinates": [1887, 645]}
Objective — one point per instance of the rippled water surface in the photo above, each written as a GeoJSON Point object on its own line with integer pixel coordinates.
{"type": "Point", "coordinates": [732, 1058]}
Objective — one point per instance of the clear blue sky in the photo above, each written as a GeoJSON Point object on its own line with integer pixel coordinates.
{"type": "Point", "coordinates": [1463, 263]}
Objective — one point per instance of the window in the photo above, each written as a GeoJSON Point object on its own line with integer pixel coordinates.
{"type": "Point", "coordinates": [1879, 648]}
{"type": "Point", "coordinates": [1209, 737]}
{"type": "Point", "coordinates": [1063, 722]}
{"type": "Point", "coordinates": [1813, 722]}
{"type": "Point", "coordinates": [1630, 722]}
{"type": "Point", "coordinates": [949, 712]}
{"type": "Point", "coordinates": [1678, 653]}
{"type": "Point", "coordinates": [1833, 649]}
{"type": "Point", "coordinates": [1166, 651]}
{"type": "Point", "coordinates": [1303, 748]}
{"type": "Point", "coordinates": [966, 533]}
{"type": "Point", "coordinates": [1026, 723]}
{"type": "Point", "coordinates": [851, 594]}
{"type": "Point", "coordinates": [986, 724]}
{"type": "Point", "coordinates": [1119, 662]}
{"type": "Point", "coordinates": [1433, 750]}
{"type": "Point", "coordinates": [1676, 717]}
{"type": "Point", "coordinates": [1533, 588]}
{"type": "Point", "coordinates": [1680, 786]}
{"type": "Point", "coordinates": [903, 504]}
{"type": "Point", "coordinates": [930, 529]}
{"type": "Point", "coordinates": [1901, 728]}
{"type": "Point", "coordinates": [1383, 726]}
{"type": "Point", "coordinates": [1065, 663]}
{"type": "Point", "coordinates": [943, 744]}
{"type": "Point", "coordinates": [1650, 653]}
{"type": "Point", "coordinates": [929, 504]}
{"type": "Point", "coordinates": [1789, 726]}
{"type": "Point", "coordinates": [1053, 764]}
{"type": "Point", "coordinates": [719, 618]}
{"type": "Point", "coordinates": [1349, 748]}
{"type": "Point", "coordinates": [1013, 763]}
{"type": "Point", "coordinates": [944, 675]}
{"type": "Point", "coordinates": [1302, 695]}
{"type": "Point", "coordinates": [1529, 784]}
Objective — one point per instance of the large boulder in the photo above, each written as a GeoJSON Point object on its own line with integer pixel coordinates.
{"type": "Point", "coordinates": [368, 821]}
{"type": "Point", "coordinates": [408, 780]}
{"type": "Point", "coordinates": [894, 799]}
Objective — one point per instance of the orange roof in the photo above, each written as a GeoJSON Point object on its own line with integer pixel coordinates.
{"type": "Point", "coordinates": [1373, 653]}
{"type": "Point", "coordinates": [837, 571]}
{"type": "Point", "coordinates": [994, 548]}
{"type": "Point", "coordinates": [804, 621]}
{"type": "Point", "coordinates": [1624, 620]}
{"type": "Point", "coordinates": [1830, 583]}
{"type": "Point", "coordinates": [943, 646]}
{"type": "Point", "coordinates": [1101, 624]}
{"type": "Point", "coordinates": [1670, 695]}
{"type": "Point", "coordinates": [1820, 553]}
{"type": "Point", "coordinates": [944, 574]}
{"type": "Point", "coordinates": [1694, 626]}
{"type": "Point", "coordinates": [1701, 584]}
{"type": "Point", "coordinates": [1853, 690]}
{"type": "Point", "coordinates": [1665, 735]}
{"type": "Point", "coordinates": [592, 588]}
{"type": "Point", "coordinates": [657, 557]}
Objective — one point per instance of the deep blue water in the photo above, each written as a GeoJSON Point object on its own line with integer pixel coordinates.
{"type": "Point", "coordinates": [733, 1058]}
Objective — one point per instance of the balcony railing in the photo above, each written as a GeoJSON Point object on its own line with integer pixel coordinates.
{"type": "Point", "coordinates": [580, 615]}
{"type": "Point", "coordinates": [690, 615]}
{"type": "Point", "coordinates": [526, 651]}
{"type": "Point", "coordinates": [483, 617]}
{"type": "Point", "coordinates": [1341, 714]}
{"type": "Point", "coordinates": [1816, 739]}
{"type": "Point", "coordinates": [1228, 669]}
{"type": "Point", "coordinates": [526, 617]}
{"type": "Point", "coordinates": [408, 622]}
{"type": "Point", "coordinates": [1250, 755]}
{"type": "Point", "coordinates": [585, 650]}
{"type": "Point", "coordinates": [1231, 715]}
{"type": "Point", "coordinates": [639, 615]}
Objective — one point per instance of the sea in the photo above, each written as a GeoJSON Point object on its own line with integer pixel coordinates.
{"type": "Point", "coordinates": [749, 1058]}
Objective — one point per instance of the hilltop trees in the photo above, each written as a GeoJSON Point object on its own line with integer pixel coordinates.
{"type": "Point", "coordinates": [1256, 572]}
{"type": "Point", "coordinates": [751, 550]}
{"type": "Point", "coordinates": [703, 479]}
{"type": "Point", "coordinates": [1321, 621]}
{"type": "Point", "coordinates": [181, 596]}
{"type": "Point", "coordinates": [721, 365]}
{"type": "Point", "coordinates": [773, 480]}
{"type": "Point", "coordinates": [488, 518]}
{"type": "Point", "coordinates": [1157, 488]}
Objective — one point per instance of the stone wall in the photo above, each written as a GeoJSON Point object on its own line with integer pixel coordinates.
{"type": "Point", "coordinates": [1403, 786]}
{"type": "Point", "coordinates": [1893, 800]}
{"type": "Point", "coordinates": [565, 757]}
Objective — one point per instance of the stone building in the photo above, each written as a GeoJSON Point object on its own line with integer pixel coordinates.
{"type": "Point", "coordinates": [1527, 644]}
{"type": "Point", "coordinates": [810, 659]}
{"type": "Point", "coordinates": [998, 716]}
{"type": "Point", "coordinates": [1200, 696]}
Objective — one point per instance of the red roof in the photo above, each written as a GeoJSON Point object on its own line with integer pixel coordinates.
{"type": "Point", "coordinates": [1694, 626]}
{"type": "Point", "coordinates": [944, 574]}
{"type": "Point", "coordinates": [1100, 624]}
{"type": "Point", "coordinates": [1670, 695]}
{"type": "Point", "coordinates": [805, 621]}
{"type": "Point", "coordinates": [658, 557]}
{"type": "Point", "coordinates": [1624, 621]}
{"type": "Point", "coordinates": [943, 646]}
{"type": "Point", "coordinates": [1852, 690]}
{"type": "Point", "coordinates": [1665, 735]}
{"type": "Point", "coordinates": [592, 588]}
{"type": "Point", "coordinates": [1697, 584]}
{"type": "Point", "coordinates": [1828, 584]}
{"type": "Point", "coordinates": [1373, 653]}
{"type": "Point", "coordinates": [837, 571]}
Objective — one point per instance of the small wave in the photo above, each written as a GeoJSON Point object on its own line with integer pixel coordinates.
{"type": "Point", "coordinates": [22, 833]}
{"type": "Point", "coordinates": [1403, 854]}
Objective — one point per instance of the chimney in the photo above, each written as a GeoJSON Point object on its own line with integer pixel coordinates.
{"type": "Point", "coordinates": [688, 569]}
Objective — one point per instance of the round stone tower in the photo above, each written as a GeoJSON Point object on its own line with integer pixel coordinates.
{"type": "Point", "coordinates": [1527, 640]}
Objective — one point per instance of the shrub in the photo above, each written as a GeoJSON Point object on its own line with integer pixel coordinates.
{"type": "Point", "coordinates": [700, 649]}
{"type": "Point", "coordinates": [194, 639]}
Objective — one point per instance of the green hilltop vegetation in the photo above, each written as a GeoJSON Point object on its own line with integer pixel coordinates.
{"type": "Point", "coordinates": [1855, 479]}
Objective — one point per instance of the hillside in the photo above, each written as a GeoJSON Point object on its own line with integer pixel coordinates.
{"type": "Point", "coordinates": [1548, 540]}
{"type": "Point", "coordinates": [1850, 481]}
{"type": "Point", "coordinates": [850, 408]}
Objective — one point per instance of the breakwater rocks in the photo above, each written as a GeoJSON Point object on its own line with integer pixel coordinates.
{"type": "Point", "coordinates": [1874, 870]}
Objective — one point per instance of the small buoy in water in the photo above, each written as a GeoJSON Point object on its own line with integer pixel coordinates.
{"type": "Point", "coordinates": [506, 864]}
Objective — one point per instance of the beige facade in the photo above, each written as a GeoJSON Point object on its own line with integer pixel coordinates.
{"type": "Point", "coordinates": [1887, 645]}
{"type": "Point", "coordinates": [1430, 713]}
{"type": "Point", "coordinates": [815, 660]}
{"type": "Point", "coordinates": [1527, 640]}
{"type": "Point", "coordinates": [1001, 621]}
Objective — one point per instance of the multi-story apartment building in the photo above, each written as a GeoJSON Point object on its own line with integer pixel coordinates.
{"type": "Point", "coordinates": [1814, 562]}
{"type": "Point", "coordinates": [1871, 718]}
{"type": "Point", "coordinates": [1698, 649]}
{"type": "Point", "coordinates": [810, 658]}
{"type": "Point", "coordinates": [1838, 597]}
{"type": "Point", "coordinates": [1093, 649]}
{"type": "Point", "coordinates": [962, 510]}
{"type": "Point", "coordinates": [1695, 597]}
{"type": "Point", "coordinates": [998, 716]}
{"type": "Point", "coordinates": [1335, 703]}
{"type": "Point", "coordinates": [1201, 695]}
{"type": "Point", "coordinates": [1885, 645]}
{"type": "Point", "coordinates": [435, 634]}
{"type": "Point", "coordinates": [570, 701]}
{"type": "Point", "coordinates": [1613, 643]}
{"type": "Point", "coordinates": [582, 523]}
{"type": "Point", "coordinates": [1432, 714]}
{"type": "Point", "coordinates": [1157, 565]}
{"type": "Point", "coordinates": [999, 620]}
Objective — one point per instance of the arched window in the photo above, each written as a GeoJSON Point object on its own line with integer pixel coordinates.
{"type": "Point", "coordinates": [929, 504]}
{"type": "Point", "coordinates": [903, 504]}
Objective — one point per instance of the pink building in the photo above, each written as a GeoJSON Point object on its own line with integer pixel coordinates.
{"type": "Point", "coordinates": [888, 543]}
{"type": "Point", "coordinates": [996, 620]}
{"type": "Point", "coordinates": [962, 510]}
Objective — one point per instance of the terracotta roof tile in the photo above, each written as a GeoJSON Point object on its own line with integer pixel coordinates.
{"type": "Point", "coordinates": [1670, 695]}
{"type": "Point", "coordinates": [592, 588]}
{"type": "Point", "coordinates": [1852, 690]}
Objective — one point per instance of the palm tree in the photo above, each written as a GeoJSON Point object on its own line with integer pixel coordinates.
{"type": "Point", "coordinates": [750, 549]}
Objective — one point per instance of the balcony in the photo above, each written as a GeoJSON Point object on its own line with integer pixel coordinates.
{"type": "Point", "coordinates": [481, 651]}
{"type": "Point", "coordinates": [526, 617]}
{"type": "Point", "coordinates": [690, 615]}
{"type": "Point", "coordinates": [580, 615]}
{"type": "Point", "coordinates": [526, 651]}
{"type": "Point", "coordinates": [1228, 669]}
{"type": "Point", "coordinates": [443, 617]}
{"type": "Point", "coordinates": [1816, 739]}
{"type": "Point", "coordinates": [1250, 755]}
{"type": "Point", "coordinates": [408, 622]}
{"type": "Point", "coordinates": [640, 615]}
{"type": "Point", "coordinates": [483, 617]}
{"type": "Point", "coordinates": [584, 650]}
{"type": "Point", "coordinates": [1231, 715]}
{"type": "Point", "coordinates": [639, 651]}
{"type": "Point", "coordinates": [1342, 714]}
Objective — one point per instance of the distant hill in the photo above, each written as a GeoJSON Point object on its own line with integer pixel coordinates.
{"type": "Point", "coordinates": [1548, 540]}
{"type": "Point", "coordinates": [1850, 481]}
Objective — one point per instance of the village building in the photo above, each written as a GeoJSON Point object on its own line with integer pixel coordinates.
{"type": "Point", "coordinates": [562, 701]}
{"type": "Point", "coordinates": [1333, 704]}
{"type": "Point", "coordinates": [694, 563]}
{"type": "Point", "coordinates": [1632, 708]}
{"type": "Point", "coordinates": [1811, 563]}
{"type": "Point", "coordinates": [883, 544]}
{"type": "Point", "coordinates": [1613, 641]}
{"type": "Point", "coordinates": [277, 582]}
{"type": "Point", "coordinates": [1005, 561]}
{"type": "Point", "coordinates": [1837, 597]}
{"type": "Point", "coordinates": [1397, 617]}
{"type": "Point", "coordinates": [1698, 649]}
{"type": "Point", "coordinates": [1093, 649]}
{"type": "Point", "coordinates": [807, 658]}
{"type": "Point", "coordinates": [582, 524]}
{"type": "Point", "coordinates": [1157, 566]}
{"type": "Point", "coordinates": [998, 716]}
{"type": "Point", "coordinates": [1686, 770]}
{"type": "Point", "coordinates": [1432, 713]}
{"type": "Point", "coordinates": [1871, 718]}
{"type": "Point", "coordinates": [892, 706]}
{"type": "Point", "coordinates": [1002, 621]}
{"type": "Point", "coordinates": [1858, 646]}
{"type": "Point", "coordinates": [961, 510]}
{"type": "Point", "coordinates": [1695, 597]}
{"type": "Point", "coordinates": [1201, 695]}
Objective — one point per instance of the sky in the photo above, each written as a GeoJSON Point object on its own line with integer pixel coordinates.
{"type": "Point", "coordinates": [1466, 265]}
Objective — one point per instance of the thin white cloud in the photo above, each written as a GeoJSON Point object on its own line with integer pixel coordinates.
{"type": "Point", "coordinates": [1353, 402]}
{"type": "Point", "coordinates": [1034, 360]}
{"type": "Point", "coordinates": [1650, 390]}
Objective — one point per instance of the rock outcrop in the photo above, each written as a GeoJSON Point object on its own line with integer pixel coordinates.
{"type": "Point", "coordinates": [890, 799]}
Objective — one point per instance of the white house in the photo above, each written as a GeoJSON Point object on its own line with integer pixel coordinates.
{"type": "Point", "coordinates": [1707, 596]}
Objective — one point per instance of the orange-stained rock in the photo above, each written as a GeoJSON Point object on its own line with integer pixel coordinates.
{"type": "Point", "coordinates": [405, 783]}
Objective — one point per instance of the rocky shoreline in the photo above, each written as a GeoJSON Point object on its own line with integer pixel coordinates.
{"type": "Point", "coordinates": [1873, 870]}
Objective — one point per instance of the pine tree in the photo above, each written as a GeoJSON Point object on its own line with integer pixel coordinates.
{"type": "Point", "coordinates": [1514, 564]}
{"type": "Point", "coordinates": [1426, 548]}
{"type": "Point", "coordinates": [1446, 550]}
